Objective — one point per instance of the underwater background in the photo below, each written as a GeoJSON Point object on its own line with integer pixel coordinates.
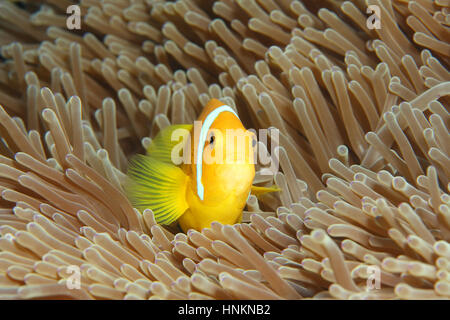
{"type": "Point", "coordinates": [362, 110]}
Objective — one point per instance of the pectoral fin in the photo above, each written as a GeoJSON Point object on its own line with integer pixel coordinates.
{"type": "Point", "coordinates": [158, 186]}
{"type": "Point", "coordinates": [257, 191]}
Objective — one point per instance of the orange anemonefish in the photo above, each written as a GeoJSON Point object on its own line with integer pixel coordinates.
{"type": "Point", "coordinates": [213, 186]}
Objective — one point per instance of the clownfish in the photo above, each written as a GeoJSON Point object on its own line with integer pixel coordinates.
{"type": "Point", "coordinates": [213, 185]}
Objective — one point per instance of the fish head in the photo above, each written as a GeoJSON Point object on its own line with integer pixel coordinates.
{"type": "Point", "coordinates": [224, 154]}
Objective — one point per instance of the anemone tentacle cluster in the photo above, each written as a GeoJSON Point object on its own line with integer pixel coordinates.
{"type": "Point", "coordinates": [362, 114]}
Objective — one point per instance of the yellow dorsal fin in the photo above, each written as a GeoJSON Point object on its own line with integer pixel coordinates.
{"type": "Point", "coordinates": [162, 146]}
{"type": "Point", "coordinates": [257, 191]}
{"type": "Point", "coordinates": [159, 186]}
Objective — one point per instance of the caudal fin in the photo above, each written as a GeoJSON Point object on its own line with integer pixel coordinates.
{"type": "Point", "coordinates": [159, 186]}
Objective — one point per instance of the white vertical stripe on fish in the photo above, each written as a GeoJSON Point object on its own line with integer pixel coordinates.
{"type": "Point", "coordinates": [201, 143]}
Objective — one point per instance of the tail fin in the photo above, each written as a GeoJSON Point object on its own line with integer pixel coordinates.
{"type": "Point", "coordinates": [158, 186]}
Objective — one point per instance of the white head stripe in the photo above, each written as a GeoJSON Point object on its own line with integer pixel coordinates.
{"type": "Point", "coordinates": [201, 143]}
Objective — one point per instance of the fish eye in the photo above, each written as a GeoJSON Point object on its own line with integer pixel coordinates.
{"type": "Point", "coordinates": [211, 139]}
{"type": "Point", "coordinates": [253, 142]}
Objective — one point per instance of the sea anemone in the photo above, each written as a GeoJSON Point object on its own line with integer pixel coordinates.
{"type": "Point", "coordinates": [362, 116]}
